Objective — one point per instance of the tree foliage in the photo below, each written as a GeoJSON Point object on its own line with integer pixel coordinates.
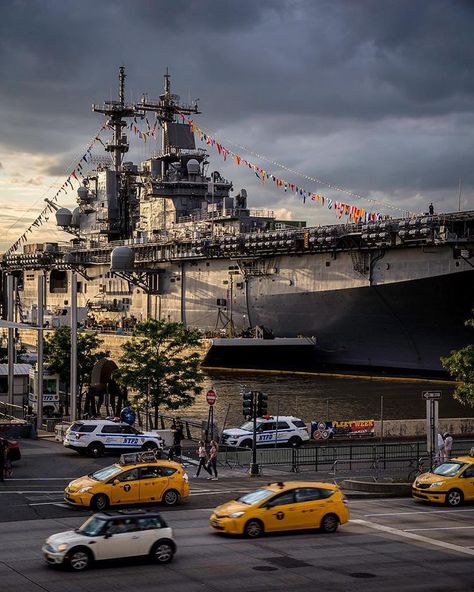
{"type": "Point", "coordinates": [20, 351]}
{"type": "Point", "coordinates": [460, 365]}
{"type": "Point", "coordinates": [157, 367]}
{"type": "Point", "coordinates": [57, 354]}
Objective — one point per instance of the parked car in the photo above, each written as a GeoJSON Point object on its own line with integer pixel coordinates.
{"type": "Point", "coordinates": [136, 478]}
{"type": "Point", "coordinates": [281, 507]}
{"type": "Point", "coordinates": [96, 436]}
{"type": "Point", "coordinates": [112, 535]}
{"type": "Point", "coordinates": [284, 429]}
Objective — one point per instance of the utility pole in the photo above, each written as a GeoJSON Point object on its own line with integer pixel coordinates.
{"type": "Point", "coordinates": [11, 281]}
{"type": "Point", "coordinates": [41, 290]}
{"type": "Point", "coordinates": [73, 373]}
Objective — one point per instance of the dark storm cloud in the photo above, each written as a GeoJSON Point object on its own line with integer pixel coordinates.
{"type": "Point", "coordinates": [376, 96]}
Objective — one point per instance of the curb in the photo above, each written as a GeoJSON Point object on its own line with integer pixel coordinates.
{"type": "Point", "coordinates": [376, 488]}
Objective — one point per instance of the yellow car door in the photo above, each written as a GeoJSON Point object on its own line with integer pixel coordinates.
{"type": "Point", "coordinates": [152, 483]}
{"type": "Point", "coordinates": [279, 512]}
{"type": "Point", "coordinates": [468, 483]}
{"type": "Point", "coordinates": [310, 507]}
{"type": "Point", "coordinates": [125, 488]}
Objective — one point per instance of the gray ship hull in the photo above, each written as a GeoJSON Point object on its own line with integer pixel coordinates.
{"type": "Point", "coordinates": [405, 325]}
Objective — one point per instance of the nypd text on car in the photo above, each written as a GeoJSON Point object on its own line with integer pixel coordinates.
{"type": "Point", "coordinates": [284, 429]}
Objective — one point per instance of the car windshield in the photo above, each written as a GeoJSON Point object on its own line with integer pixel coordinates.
{"type": "Point", "coordinates": [255, 496]}
{"type": "Point", "coordinates": [92, 527]}
{"type": "Point", "coordinates": [248, 426]}
{"type": "Point", "coordinates": [106, 473]}
{"type": "Point", "coordinates": [448, 469]}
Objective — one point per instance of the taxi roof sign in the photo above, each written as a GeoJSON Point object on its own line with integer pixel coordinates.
{"type": "Point", "coordinates": [135, 458]}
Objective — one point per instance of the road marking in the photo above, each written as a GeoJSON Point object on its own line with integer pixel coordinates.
{"type": "Point", "coordinates": [414, 537]}
{"type": "Point", "coordinates": [29, 492]}
{"type": "Point", "coordinates": [437, 528]}
{"type": "Point", "coordinates": [43, 479]}
{"type": "Point", "coordinates": [51, 503]}
{"type": "Point", "coordinates": [452, 511]}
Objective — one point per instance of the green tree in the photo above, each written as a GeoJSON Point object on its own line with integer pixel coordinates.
{"type": "Point", "coordinates": [156, 366]}
{"type": "Point", "coordinates": [57, 355]}
{"type": "Point", "coordinates": [460, 365]}
{"type": "Point", "coordinates": [20, 350]}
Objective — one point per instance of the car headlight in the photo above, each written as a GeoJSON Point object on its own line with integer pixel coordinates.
{"type": "Point", "coordinates": [236, 514]}
{"type": "Point", "coordinates": [62, 547]}
{"type": "Point", "coordinates": [84, 489]}
{"type": "Point", "coordinates": [437, 484]}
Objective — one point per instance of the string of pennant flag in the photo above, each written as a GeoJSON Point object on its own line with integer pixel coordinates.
{"type": "Point", "coordinates": [67, 186]}
{"type": "Point", "coordinates": [351, 212]}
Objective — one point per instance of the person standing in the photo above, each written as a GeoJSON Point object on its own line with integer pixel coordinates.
{"type": "Point", "coordinates": [440, 448]}
{"type": "Point", "coordinates": [213, 450]}
{"type": "Point", "coordinates": [202, 455]}
{"type": "Point", "coordinates": [178, 436]}
{"type": "Point", "coordinates": [448, 444]}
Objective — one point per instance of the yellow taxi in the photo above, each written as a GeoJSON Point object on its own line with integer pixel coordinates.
{"type": "Point", "coordinates": [283, 506]}
{"type": "Point", "coordinates": [136, 478]}
{"type": "Point", "coordinates": [450, 483]}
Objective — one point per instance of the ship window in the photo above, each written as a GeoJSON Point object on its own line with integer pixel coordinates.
{"type": "Point", "coordinates": [79, 287]}
{"type": "Point", "coordinates": [328, 263]}
{"type": "Point", "coordinates": [58, 281]}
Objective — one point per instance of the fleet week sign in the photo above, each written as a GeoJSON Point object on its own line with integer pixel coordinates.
{"type": "Point", "coordinates": [322, 430]}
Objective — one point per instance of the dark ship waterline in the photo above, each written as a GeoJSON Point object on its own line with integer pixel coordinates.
{"type": "Point", "coordinates": [165, 239]}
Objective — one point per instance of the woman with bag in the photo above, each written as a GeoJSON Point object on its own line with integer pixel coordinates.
{"type": "Point", "coordinates": [202, 455]}
{"type": "Point", "coordinates": [212, 464]}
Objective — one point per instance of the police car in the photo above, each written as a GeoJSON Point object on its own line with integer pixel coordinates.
{"type": "Point", "coordinates": [94, 437]}
{"type": "Point", "coordinates": [284, 429]}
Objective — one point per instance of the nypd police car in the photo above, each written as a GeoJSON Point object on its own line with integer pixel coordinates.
{"type": "Point", "coordinates": [94, 437]}
{"type": "Point", "coordinates": [284, 429]}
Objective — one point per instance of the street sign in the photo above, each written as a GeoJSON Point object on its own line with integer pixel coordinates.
{"type": "Point", "coordinates": [431, 395]}
{"type": "Point", "coordinates": [211, 397]}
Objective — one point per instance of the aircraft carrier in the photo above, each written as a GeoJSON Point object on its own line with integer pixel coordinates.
{"type": "Point", "coordinates": [164, 238]}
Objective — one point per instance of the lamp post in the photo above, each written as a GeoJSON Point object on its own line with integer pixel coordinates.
{"type": "Point", "coordinates": [41, 290]}
{"type": "Point", "coordinates": [73, 379]}
{"type": "Point", "coordinates": [11, 281]}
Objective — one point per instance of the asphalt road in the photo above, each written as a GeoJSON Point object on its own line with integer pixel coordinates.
{"type": "Point", "coordinates": [390, 544]}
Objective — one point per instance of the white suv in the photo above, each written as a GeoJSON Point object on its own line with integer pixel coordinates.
{"type": "Point", "coordinates": [283, 430]}
{"type": "Point", "coordinates": [112, 535]}
{"type": "Point", "coordinates": [94, 437]}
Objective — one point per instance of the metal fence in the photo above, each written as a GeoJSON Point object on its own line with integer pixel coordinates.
{"type": "Point", "coordinates": [338, 458]}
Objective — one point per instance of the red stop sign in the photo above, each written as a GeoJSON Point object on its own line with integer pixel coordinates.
{"type": "Point", "coordinates": [211, 397]}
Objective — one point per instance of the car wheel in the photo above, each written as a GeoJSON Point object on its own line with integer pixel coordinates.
{"type": "Point", "coordinates": [96, 449]}
{"type": "Point", "coordinates": [253, 529]}
{"type": "Point", "coordinates": [454, 498]}
{"type": "Point", "coordinates": [100, 502]}
{"type": "Point", "coordinates": [246, 444]}
{"type": "Point", "coordinates": [170, 497]}
{"type": "Point", "coordinates": [329, 523]}
{"type": "Point", "coordinates": [149, 446]}
{"type": "Point", "coordinates": [162, 552]}
{"type": "Point", "coordinates": [295, 441]}
{"type": "Point", "coordinates": [79, 559]}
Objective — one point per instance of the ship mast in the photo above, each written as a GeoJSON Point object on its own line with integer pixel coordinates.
{"type": "Point", "coordinates": [166, 109]}
{"type": "Point", "coordinates": [116, 111]}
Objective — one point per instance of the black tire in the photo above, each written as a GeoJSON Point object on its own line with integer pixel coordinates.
{"type": "Point", "coordinates": [295, 441]}
{"type": "Point", "coordinates": [79, 559]}
{"type": "Point", "coordinates": [100, 502]}
{"type": "Point", "coordinates": [329, 523]}
{"type": "Point", "coordinates": [171, 497]}
{"type": "Point", "coordinates": [149, 446]}
{"type": "Point", "coordinates": [253, 529]}
{"type": "Point", "coordinates": [162, 551]}
{"type": "Point", "coordinates": [246, 444]}
{"type": "Point", "coordinates": [95, 449]}
{"type": "Point", "coordinates": [454, 498]}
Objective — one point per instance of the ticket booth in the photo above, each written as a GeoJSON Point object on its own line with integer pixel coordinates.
{"type": "Point", "coordinates": [50, 393]}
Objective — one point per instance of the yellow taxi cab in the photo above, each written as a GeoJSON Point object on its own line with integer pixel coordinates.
{"type": "Point", "coordinates": [450, 483]}
{"type": "Point", "coordinates": [283, 506]}
{"type": "Point", "coordinates": [136, 478]}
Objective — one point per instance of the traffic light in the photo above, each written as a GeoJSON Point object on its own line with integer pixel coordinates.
{"type": "Point", "coordinates": [247, 404]}
{"type": "Point", "coordinates": [262, 404]}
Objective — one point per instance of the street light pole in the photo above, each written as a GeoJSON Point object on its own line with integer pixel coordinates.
{"type": "Point", "coordinates": [41, 290]}
{"type": "Point", "coordinates": [73, 381]}
{"type": "Point", "coordinates": [11, 336]}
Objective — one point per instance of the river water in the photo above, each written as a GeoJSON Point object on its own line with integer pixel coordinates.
{"type": "Point", "coordinates": [324, 397]}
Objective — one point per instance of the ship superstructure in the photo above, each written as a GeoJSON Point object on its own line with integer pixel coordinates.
{"type": "Point", "coordinates": [393, 293]}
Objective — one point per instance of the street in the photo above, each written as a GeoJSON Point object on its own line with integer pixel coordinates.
{"type": "Point", "coordinates": [389, 544]}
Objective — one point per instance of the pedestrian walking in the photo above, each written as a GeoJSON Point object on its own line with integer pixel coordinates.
{"type": "Point", "coordinates": [212, 464]}
{"type": "Point", "coordinates": [448, 444]}
{"type": "Point", "coordinates": [440, 449]}
{"type": "Point", "coordinates": [202, 455]}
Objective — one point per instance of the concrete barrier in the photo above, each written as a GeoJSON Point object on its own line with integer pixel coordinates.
{"type": "Point", "coordinates": [386, 488]}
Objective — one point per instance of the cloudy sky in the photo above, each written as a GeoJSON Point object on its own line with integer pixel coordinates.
{"type": "Point", "coordinates": [373, 96]}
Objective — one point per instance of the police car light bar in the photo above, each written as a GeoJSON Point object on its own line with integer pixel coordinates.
{"type": "Point", "coordinates": [134, 458]}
